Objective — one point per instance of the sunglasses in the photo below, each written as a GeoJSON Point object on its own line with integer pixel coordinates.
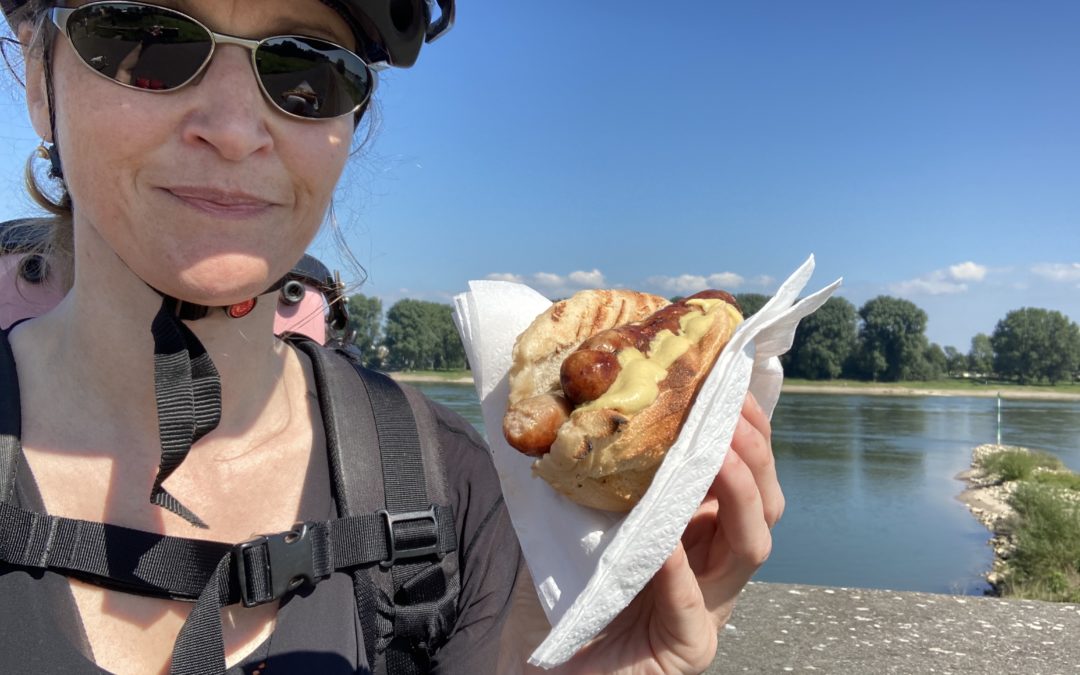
{"type": "Point", "coordinates": [157, 49]}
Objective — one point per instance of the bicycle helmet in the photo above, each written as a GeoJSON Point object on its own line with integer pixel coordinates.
{"type": "Point", "coordinates": [387, 32]}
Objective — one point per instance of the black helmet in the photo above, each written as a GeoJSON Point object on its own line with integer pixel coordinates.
{"type": "Point", "coordinates": [392, 31]}
{"type": "Point", "coordinates": [387, 31]}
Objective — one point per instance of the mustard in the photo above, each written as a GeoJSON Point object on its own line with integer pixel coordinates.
{"type": "Point", "coordinates": [637, 384]}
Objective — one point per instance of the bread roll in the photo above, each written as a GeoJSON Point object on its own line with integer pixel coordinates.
{"type": "Point", "coordinates": [605, 453]}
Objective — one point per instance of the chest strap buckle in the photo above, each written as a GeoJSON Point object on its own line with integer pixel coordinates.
{"type": "Point", "coordinates": [271, 565]}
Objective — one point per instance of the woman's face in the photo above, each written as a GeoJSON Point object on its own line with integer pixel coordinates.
{"type": "Point", "coordinates": [207, 193]}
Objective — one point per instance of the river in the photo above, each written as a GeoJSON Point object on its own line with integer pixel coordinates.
{"type": "Point", "coordinates": [870, 483]}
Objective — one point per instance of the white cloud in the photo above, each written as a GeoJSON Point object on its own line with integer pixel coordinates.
{"type": "Point", "coordinates": [1060, 272]}
{"type": "Point", "coordinates": [725, 280]}
{"type": "Point", "coordinates": [556, 285]}
{"type": "Point", "coordinates": [559, 286]}
{"type": "Point", "coordinates": [932, 284]}
{"type": "Point", "coordinates": [967, 271]}
{"type": "Point", "coordinates": [685, 284]}
{"type": "Point", "coordinates": [948, 281]}
{"type": "Point", "coordinates": [593, 279]}
{"type": "Point", "coordinates": [688, 284]}
{"type": "Point", "coordinates": [547, 280]}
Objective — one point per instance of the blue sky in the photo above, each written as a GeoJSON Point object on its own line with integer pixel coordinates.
{"type": "Point", "coordinates": [927, 150]}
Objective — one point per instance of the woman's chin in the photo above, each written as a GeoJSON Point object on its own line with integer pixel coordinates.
{"type": "Point", "coordinates": [219, 285]}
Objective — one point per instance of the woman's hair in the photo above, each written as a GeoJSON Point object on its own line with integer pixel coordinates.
{"type": "Point", "coordinates": [58, 248]}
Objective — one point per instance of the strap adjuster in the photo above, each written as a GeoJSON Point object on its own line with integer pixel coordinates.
{"type": "Point", "coordinates": [287, 563]}
{"type": "Point", "coordinates": [396, 553]}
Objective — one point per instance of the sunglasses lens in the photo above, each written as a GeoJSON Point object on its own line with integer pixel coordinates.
{"type": "Point", "coordinates": [141, 46]}
{"type": "Point", "coordinates": [311, 78]}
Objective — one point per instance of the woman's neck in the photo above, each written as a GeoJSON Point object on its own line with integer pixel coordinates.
{"type": "Point", "coordinates": [98, 350]}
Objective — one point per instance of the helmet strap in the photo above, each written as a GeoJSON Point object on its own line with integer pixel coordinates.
{"type": "Point", "coordinates": [187, 388]}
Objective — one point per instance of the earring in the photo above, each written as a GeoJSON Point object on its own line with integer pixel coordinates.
{"type": "Point", "coordinates": [51, 153]}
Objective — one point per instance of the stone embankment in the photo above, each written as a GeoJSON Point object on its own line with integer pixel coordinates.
{"type": "Point", "coordinates": [783, 628]}
{"type": "Point", "coordinates": [988, 500]}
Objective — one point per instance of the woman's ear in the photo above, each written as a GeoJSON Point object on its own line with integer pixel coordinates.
{"type": "Point", "coordinates": [37, 99]}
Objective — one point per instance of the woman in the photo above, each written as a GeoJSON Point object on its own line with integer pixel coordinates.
{"type": "Point", "coordinates": [196, 186]}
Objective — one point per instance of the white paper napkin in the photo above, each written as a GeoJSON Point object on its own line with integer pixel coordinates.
{"type": "Point", "coordinates": [588, 565]}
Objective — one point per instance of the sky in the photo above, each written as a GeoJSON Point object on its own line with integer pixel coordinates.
{"type": "Point", "coordinates": [926, 150]}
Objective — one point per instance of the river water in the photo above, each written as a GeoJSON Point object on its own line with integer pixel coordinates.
{"type": "Point", "coordinates": [870, 483]}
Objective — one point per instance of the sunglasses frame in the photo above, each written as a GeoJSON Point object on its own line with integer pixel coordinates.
{"type": "Point", "coordinates": [61, 15]}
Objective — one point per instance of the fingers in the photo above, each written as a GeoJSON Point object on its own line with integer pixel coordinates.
{"type": "Point", "coordinates": [741, 541]}
{"type": "Point", "coordinates": [752, 443]}
{"type": "Point", "coordinates": [740, 508]}
{"type": "Point", "coordinates": [675, 631]}
{"type": "Point", "coordinates": [754, 414]}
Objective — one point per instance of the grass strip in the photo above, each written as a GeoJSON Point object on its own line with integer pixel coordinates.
{"type": "Point", "coordinates": [1016, 464]}
{"type": "Point", "coordinates": [1044, 563]}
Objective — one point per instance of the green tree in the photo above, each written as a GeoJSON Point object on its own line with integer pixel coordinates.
{"type": "Point", "coordinates": [1036, 344]}
{"type": "Point", "coordinates": [823, 341]}
{"type": "Point", "coordinates": [935, 363]}
{"type": "Point", "coordinates": [412, 339]}
{"type": "Point", "coordinates": [451, 353]}
{"type": "Point", "coordinates": [892, 340]}
{"type": "Point", "coordinates": [365, 326]}
{"type": "Point", "coordinates": [422, 335]}
{"type": "Point", "coordinates": [955, 362]}
{"type": "Point", "coordinates": [751, 302]}
{"type": "Point", "coordinates": [981, 355]}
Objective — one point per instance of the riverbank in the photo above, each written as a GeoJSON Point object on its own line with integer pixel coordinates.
{"type": "Point", "coordinates": [1029, 503]}
{"type": "Point", "coordinates": [1011, 392]}
{"type": "Point", "coordinates": [915, 389]}
{"type": "Point", "coordinates": [433, 376]}
{"type": "Point", "coordinates": [987, 498]}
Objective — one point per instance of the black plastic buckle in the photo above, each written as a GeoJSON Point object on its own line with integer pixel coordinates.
{"type": "Point", "coordinates": [289, 563]}
{"type": "Point", "coordinates": [404, 554]}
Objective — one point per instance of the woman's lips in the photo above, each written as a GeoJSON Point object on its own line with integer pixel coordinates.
{"type": "Point", "coordinates": [221, 202]}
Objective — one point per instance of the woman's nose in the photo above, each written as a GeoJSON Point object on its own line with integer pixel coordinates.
{"type": "Point", "coordinates": [228, 110]}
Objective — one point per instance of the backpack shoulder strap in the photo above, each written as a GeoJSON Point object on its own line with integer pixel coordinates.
{"type": "Point", "coordinates": [10, 419]}
{"type": "Point", "coordinates": [408, 608]}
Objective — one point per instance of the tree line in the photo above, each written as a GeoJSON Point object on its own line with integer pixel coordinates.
{"type": "Point", "coordinates": [884, 340]}
{"type": "Point", "coordinates": [415, 335]}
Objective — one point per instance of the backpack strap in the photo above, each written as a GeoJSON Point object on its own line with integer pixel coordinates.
{"type": "Point", "coordinates": [10, 419]}
{"type": "Point", "coordinates": [407, 608]}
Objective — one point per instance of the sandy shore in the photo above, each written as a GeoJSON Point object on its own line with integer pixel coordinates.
{"type": "Point", "coordinates": [415, 377]}
{"type": "Point", "coordinates": [882, 390]}
{"type": "Point", "coordinates": [885, 390]}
